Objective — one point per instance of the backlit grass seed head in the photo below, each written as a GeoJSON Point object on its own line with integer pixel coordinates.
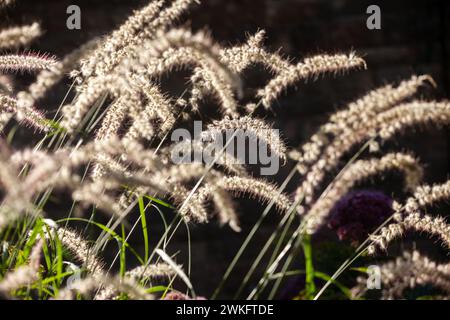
{"type": "Point", "coordinates": [254, 128]}
{"type": "Point", "coordinates": [6, 84]}
{"type": "Point", "coordinates": [5, 117]}
{"type": "Point", "coordinates": [19, 36]}
{"type": "Point", "coordinates": [205, 82]}
{"type": "Point", "coordinates": [93, 90]}
{"type": "Point", "coordinates": [158, 108]}
{"type": "Point", "coordinates": [95, 194]}
{"type": "Point", "coordinates": [309, 68]}
{"type": "Point", "coordinates": [25, 274]}
{"type": "Point", "coordinates": [356, 115]}
{"type": "Point", "coordinates": [151, 272]}
{"type": "Point", "coordinates": [427, 195]}
{"type": "Point", "coordinates": [361, 111]}
{"type": "Point", "coordinates": [27, 115]}
{"type": "Point", "coordinates": [225, 208]}
{"type": "Point", "coordinates": [415, 114]}
{"type": "Point", "coordinates": [154, 58]}
{"type": "Point", "coordinates": [140, 27]}
{"type": "Point", "coordinates": [255, 188]}
{"type": "Point", "coordinates": [239, 58]}
{"type": "Point", "coordinates": [408, 272]}
{"type": "Point", "coordinates": [81, 250]}
{"type": "Point", "coordinates": [109, 127]}
{"type": "Point", "coordinates": [387, 123]}
{"type": "Point", "coordinates": [195, 149]}
{"type": "Point", "coordinates": [108, 288]}
{"type": "Point", "coordinates": [4, 3]}
{"type": "Point", "coordinates": [26, 62]}
{"type": "Point", "coordinates": [49, 77]}
{"type": "Point", "coordinates": [434, 226]}
{"type": "Point", "coordinates": [179, 47]}
{"type": "Point", "coordinates": [359, 171]}
{"type": "Point", "coordinates": [15, 200]}
{"type": "Point", "coordinates": [223, 204]}
{"type": "Point", "coordinates": [21, 277]}
{"type": "Point", "coordinates": [113, 47]}
{"type": "Point", "coordinates": [195, 209]}
{"type": "Point", "coordinates": [83, 287]}
{"type": "Point", "coordinates": [116, 285]}
{"type": "Point", "coordinates": [410, 217]}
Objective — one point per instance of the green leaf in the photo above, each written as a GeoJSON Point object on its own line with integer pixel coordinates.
{"type": "Point", "coordinates": [157, 289]}
{"type": "Point", "coordinates": [164, 204]}
{"type": "Point", "coordinates": [340, 286]}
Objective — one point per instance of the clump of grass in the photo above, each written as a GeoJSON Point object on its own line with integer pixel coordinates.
{"type": "Point", "coordinates": [107, 149]}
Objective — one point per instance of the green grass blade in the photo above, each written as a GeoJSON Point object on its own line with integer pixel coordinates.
{"type": "Point", "coordinates": [123, 263]}
{"type": "Point", "coordinates": [144, 227]}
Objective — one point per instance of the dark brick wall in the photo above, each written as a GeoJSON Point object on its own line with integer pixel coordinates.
{"type": "Point", "coordinates": [415, 38]}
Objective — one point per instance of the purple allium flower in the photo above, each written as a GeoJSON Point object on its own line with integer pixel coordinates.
{"type": "Point", "coordinates": [359, 213]}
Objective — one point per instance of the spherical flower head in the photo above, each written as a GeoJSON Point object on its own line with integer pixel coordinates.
{"type": "Point", "coordinates": [359, 213]}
